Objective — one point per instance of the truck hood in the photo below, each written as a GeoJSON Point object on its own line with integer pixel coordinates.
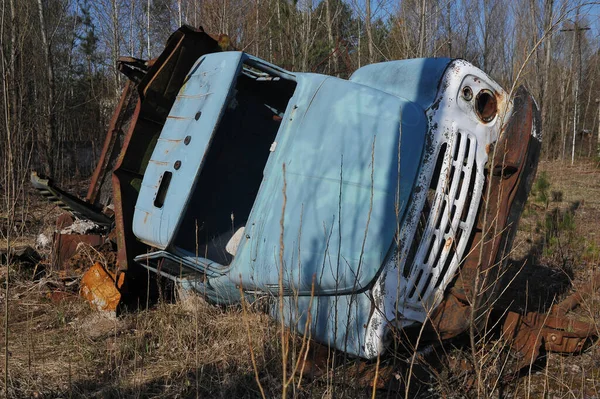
{"type": "Point", "coordinates": [335, 189]}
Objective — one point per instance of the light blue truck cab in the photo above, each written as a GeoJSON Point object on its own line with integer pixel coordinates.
{"type": "Point", "coordinates": [352, 201]}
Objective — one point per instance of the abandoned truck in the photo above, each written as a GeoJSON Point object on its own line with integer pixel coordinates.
{"type": "Point", "coordinates": [363, 207]}
{"type": "Point", "coordinates": [353, 201]}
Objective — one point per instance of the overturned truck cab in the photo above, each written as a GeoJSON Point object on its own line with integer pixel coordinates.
{"type": "Point", "coordinates": [357, 209]}
{"type": "Point", "coordinates": [355, 202]}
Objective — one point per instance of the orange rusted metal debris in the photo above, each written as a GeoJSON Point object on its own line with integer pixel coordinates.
{"type": "Point", "coordinates": [530, 332]}
{"type": "Point", "coordinates": [101, 288]}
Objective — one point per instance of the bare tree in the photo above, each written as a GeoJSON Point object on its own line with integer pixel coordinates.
{"type": "Point", "coordinates": [49, 135]}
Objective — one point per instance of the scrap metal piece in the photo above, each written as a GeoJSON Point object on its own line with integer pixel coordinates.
{"type": "Point", "coordinates": [527, 334]}
{"type": "Point", "coordinates": [134, 68]}
{"type": "Point", "coordinates": [576, 299]}
{"type": "Point", "coordinates": [450, 318]}
{"type": "Point", "coordinates": [100, 191]}
{"type": "Point", "coordinates": [64, 220]}
{"type": "Point", "coordinates": [65, 246]}
{"type": "Point", "coordinates": [101, 288]}
{"type": "Point", "coordinates": [68, 202]}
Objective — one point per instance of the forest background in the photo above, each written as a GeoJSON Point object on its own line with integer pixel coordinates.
{"type": "Point", "coordinates": [60, 82]}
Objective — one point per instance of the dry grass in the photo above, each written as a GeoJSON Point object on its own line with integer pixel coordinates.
{"type": "Point", "coordinates": [191, 349]}
{"type": "Point", "coordinates": [67, 350]}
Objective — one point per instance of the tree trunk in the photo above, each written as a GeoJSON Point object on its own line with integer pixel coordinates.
{"type": "Point", "coordinates": [148, 30]}
{"type": "Point", "coordinates": [449, 22]}
{"type": "Point", "coordinates": [564, 106]}
{"type": "Point", "coordinates": [598, 129]}
{"type": "Point", "coordinates": [49, 128]}
{"type": "Point", "coordinates": [116, 48]}
{"type": "Point", "coordinates": [369, 32]}
{"type": "Point", "coordinates": [358, 42]}
{"type": "Point", "coordinates": [548, 14]}
{"type": "Point", "coordinates": [256, 28]}
{"type": "Point", "coordinates": [332, 50]}
{"type": "Point", "coordinates": [422, 30]}
{"type": "Point", "coordinates": [279, 30]}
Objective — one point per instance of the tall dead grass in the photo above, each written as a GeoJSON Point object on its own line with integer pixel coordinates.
{"type": "Point", "coordinates": [192, 349]}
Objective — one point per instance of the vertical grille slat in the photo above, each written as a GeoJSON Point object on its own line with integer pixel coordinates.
{"type": "Point", "coordinates": [442, 238]}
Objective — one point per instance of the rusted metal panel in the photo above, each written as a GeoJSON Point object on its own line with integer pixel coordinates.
{"type": "Point", "coordinates": [134, 68]}
{"type": "Point", "coordinates": [527, 333]}
{"type": "Point", "coordinates": [100, 189]}
{"type": "Point", "coordinates": [100, 288]}
{"type": "Point", "coordinates": [69, 202]}
{"type": "Point", "coordinates": [450, 318]}
{"type": "Point", "coordinates": [574, 300]}
{"type": "Point", "coordinates": [121, 209]}
{"type": "Point", "coordinates": [64, 220]}
{"type": "Point", "coordinates": [66, 245]}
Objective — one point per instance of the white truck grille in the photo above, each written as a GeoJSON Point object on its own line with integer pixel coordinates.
{"type": "Point", "coordinates": [446, 220]}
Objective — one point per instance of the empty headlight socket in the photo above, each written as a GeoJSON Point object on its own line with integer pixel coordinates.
{"type": "Point", "coordinates": [486, 105]}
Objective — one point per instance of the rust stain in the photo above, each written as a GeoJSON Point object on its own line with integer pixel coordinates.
{"type": "Point", "coordinates": [448, 243]}
{"type": "Point", "coordinates": [178, 117]}
{"type": "Point", "coordinates": [193, 96]}
{"type": "Point", "coordinates": [120, 280]}
{"type": "Point", "coordinates": [170, 140]}
{"type": "Point", "coordinates": [163, 163]}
